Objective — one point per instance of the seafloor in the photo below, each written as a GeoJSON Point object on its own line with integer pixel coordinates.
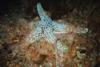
{"type": "Point", "coordinates": [19, 17]}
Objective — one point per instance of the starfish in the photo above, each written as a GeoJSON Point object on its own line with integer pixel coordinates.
{"type": "Point", "coordinates": [45, 28]}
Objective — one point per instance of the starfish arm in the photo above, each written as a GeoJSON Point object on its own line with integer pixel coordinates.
{"type": "Point", "coordinates": [42, 14]}
{"type": "Point", "coordinates": [51, 38]}
{"type": "Point", "coordinates": [58, 26]}
{"type": "Point", "coordinates": [35, 35]}
{"type": "Point", "coordinates": [59, 47]}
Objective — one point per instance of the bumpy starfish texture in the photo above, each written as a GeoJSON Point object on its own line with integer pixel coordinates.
{"type": "Point", "coordinates": [45, 28]}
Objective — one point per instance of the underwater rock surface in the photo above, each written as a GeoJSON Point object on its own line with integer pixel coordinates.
{"type": "Point", "coordinates": [44, 41]}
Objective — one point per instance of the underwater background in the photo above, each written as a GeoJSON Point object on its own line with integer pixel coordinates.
{"type": "Point", "coordinates": [78, 44]}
